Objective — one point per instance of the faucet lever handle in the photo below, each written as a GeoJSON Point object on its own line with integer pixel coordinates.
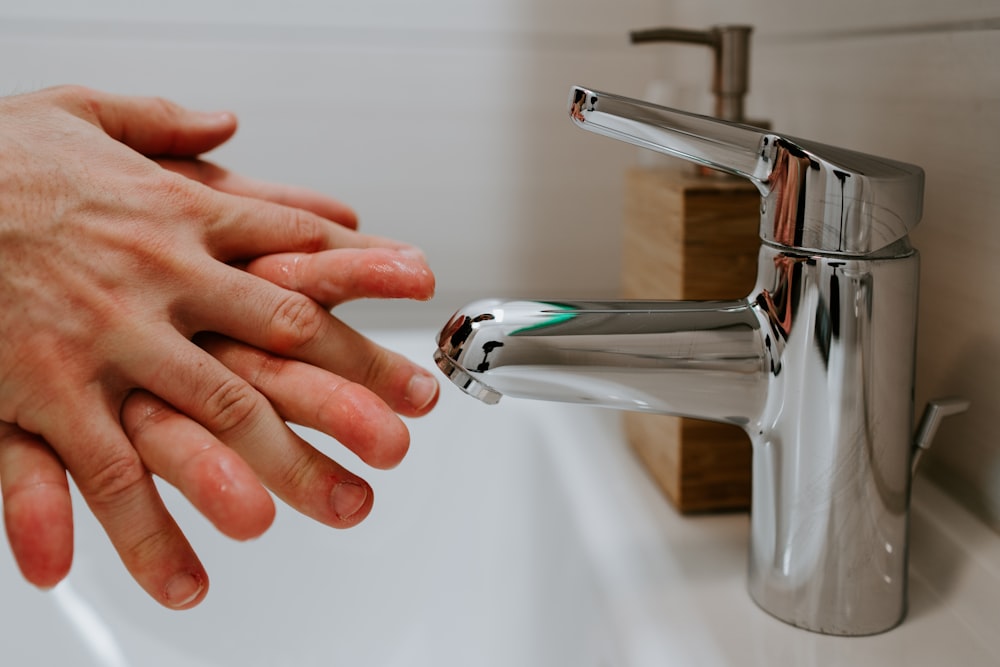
{"type": "Point", "coordinates": [700, 139]}
{"type": "Point", "coordinates": [814, 197]}
{"type": "Point", "coordinates": [937, 409]}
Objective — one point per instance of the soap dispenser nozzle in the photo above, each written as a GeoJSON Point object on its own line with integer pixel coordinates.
{"type": "Point", "coordinates": [731, 46]}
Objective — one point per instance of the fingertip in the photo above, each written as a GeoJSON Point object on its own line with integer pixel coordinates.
{"type": "Point", "coordinates": [43, 564]}
{"type": "Point", "coordinates": [393, 444]}
{"type": "Point", "coordinates": [366, 425]}
{"type": "Point", "coordinates": [37, 510]}
{"type": "Point", "coordinates": [44, 553]}
{"type": "Point", "coordinates": [391, 273]}
{"type": "Point", "coordinates": [422, 282]}
{"type": "Point", "coordinates": [225, 490]}
{"type": "Point", "coordinates": [255, 517]}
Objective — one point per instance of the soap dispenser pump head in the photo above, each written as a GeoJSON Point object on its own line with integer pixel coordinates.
{"type": "Point", "coordinates": [731, 76]}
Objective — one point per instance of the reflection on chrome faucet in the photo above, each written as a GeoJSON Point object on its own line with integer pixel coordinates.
{"type": "Point", "coordinates": [816, 363]}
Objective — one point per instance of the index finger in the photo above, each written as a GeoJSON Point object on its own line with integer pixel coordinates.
{"type": "Point", "coordinates": [148, 125]}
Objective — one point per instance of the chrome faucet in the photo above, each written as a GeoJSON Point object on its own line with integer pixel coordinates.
{"type": "Point", "coordinates": [816, 364]}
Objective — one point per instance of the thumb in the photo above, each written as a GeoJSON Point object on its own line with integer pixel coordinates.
{"type": "Point", "coordinates": [155, 126]}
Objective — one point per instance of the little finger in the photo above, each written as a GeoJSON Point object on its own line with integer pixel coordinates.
{"type": "Point", "coordinates": [38, 513]}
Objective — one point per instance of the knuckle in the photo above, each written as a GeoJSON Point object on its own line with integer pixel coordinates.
{"type": "Point", "coordinates": [204, 172]}
{"type": "Point", "coordinates": [186, 201]}
{"type": "Point", "coordinates": [232, 407]}
{"type": "Point", "coordinates": [141, 413]}
{"type": "Point", "coordinates": [115, 480]}
{"type": "Point", "coordinates": [297, 322]}
{"type": "Point", "coordinates": [378, 369]}
{"type": "Point", "coordinates": [305, 231]}
{"type": "Point", "coordinates": [148, 546]}
{"type": "Point", "coordinates": [76, 96]}
{"type": "Point", "coordinates": [163, 106]}
{"type": "Point", "coordinates": [268, 369]}
{"type": "Point", "coordinates": [296, 477]}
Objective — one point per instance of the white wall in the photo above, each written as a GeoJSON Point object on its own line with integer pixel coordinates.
{"type": "Point", "coordinates": [918, 81]}
{"type": "Point", "coordinates": [443, 122]}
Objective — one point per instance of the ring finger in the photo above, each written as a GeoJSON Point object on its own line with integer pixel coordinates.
{"type": "Point", "coordinates": [210, 475]}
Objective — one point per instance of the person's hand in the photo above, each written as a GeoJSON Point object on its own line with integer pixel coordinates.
{"type": "Point", "coordinates": [110, 266]}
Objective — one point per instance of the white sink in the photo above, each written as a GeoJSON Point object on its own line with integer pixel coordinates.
{"type": "Point", "coordinates": [516, 535]}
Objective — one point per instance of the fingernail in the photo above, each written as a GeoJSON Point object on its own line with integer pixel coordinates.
{"type": "Point", "coordinates": [183, 589]}
{"type": "Point", "coordinates": [421, 390]}
{"type": "Point", "coordinates": [222, 116]}
{"type": "Point", "coordinates": [217, 117]}
{"type": "Point", "coordinates": [347, 498]}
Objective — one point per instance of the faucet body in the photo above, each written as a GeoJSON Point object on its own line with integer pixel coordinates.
{"type": "Point", "coordinates": [816, 364]}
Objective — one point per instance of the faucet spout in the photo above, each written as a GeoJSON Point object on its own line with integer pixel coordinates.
{"type": "Point", "coordinates": [695, 359]}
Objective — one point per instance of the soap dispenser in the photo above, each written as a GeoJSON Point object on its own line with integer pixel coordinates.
{"type": "Point", "coordinates": [691, 233]}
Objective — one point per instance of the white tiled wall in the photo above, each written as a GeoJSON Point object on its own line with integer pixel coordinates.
{"type": "Point", "coordinates": [917, 81]}
{"type": "Point", "coordinates": [443, 123]}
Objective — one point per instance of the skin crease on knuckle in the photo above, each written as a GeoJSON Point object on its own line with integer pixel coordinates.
{"type": "Point", "coordinates": [75, 98]}
{"type": "Point", "coordinates": [305, 230]}
{"type": "Point", "coordinates": [183, 201]}
{"type": "Point", "coordinates": [232, 408]}
{"type": "Point", "coordinates": [114, 479]}
{"type": "Point", "coordinates": [297, 323]}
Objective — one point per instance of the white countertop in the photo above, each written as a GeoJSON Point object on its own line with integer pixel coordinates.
{"type": "Point", "coordinates": [678, 584]}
